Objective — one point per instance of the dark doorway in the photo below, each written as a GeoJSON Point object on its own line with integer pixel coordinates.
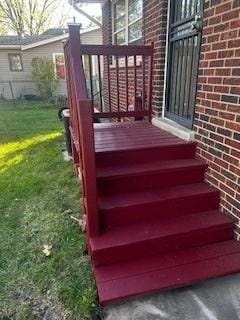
{"type": "Point", "coordinates": [185, 27]}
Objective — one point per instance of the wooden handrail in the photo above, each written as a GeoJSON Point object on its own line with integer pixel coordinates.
{"type": "Point", "coordinates": [120, 114]}
{"type": "Point", "coordinates": [116, 99]}
{"type": "Point", "coordinates": [81, 118]}
{"type": "Point", "coordinates": [115, 50]}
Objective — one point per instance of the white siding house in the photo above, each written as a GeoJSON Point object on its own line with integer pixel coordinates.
{"type": "Point", "coordinates": [20, 80]}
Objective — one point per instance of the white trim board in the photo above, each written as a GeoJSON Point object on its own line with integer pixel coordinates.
{"type": "Point", "coordinates": [174, 128]}
{"type": "Point", "coordinates": [10, 46]}
{"type": "Point", "coordinates": [57, 38]}
{"type": "Point", "coordinates": [43, 42]}
{"type": "Point", "coordinates": [166, 60]}
{"type": "Point", "coordinates": [47, 41]}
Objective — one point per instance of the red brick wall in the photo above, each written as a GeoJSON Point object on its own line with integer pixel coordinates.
{"type": "Point", "coordinates": [107, 23]}
{"type": "Point", "coordinates": [217, 116]}
{"type": "Point", "coordinates": [107, 39]}
{"type": "Point", "coordinates": [217, 121]}
{"type": "Point", "coordinates": [122, 86]}
{"type": "Point", "coordinates": [154, 29]}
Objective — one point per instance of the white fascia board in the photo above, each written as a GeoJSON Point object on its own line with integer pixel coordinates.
{"type": "Point", "coordinates": [54, 39]}
{"type": "Point", "coordinates": [10, 46]}
{"type": "Point", "coordinates": [43, 42]}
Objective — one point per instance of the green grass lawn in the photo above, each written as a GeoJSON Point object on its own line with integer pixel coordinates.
{"type": "Point", "coordinates": [37, 192]}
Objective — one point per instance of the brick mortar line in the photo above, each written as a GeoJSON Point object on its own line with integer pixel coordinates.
{"type": "Point", "coordinates": [219, 101]}
{"type": "Point", "coordinates": [219, 110]}
{"type": "Point", "coordinates": [235, 192]}
{"type": "Point", "coordinates": [223, 143]}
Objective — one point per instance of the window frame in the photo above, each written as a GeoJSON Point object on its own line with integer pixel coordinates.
{"type": "Point", "coordinates": [127, 24]}
{"type": "Point", "coordinates": [55, 66]}
{"type": "Point", "coordinates": [10, 64]}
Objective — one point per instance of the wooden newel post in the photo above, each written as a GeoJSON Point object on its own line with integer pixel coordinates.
{"type": "Point", "coordinates": [84, 112]}
{"type": "Point", "coordinates": [89, 166]}
{"type": "Point", "coordinates": [76, 61]}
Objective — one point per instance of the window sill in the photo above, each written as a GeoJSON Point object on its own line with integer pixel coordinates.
{"type": "Point", "coordinates": [174, 128]}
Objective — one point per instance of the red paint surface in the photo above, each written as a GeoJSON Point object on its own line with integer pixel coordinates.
{"type": "Point", "coordinates": [176, 269]}
{"type": "Point", "coordinates": [160, 223]}
{"type": "Point", "coordinates": [152, 223]}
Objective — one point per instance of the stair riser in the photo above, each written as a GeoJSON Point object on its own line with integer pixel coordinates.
{"type": "Point", "coordinates": [185, 151]}
{"type": "Point", "coordinates": [152, 180]}
{"type": "Point", "coordinates": [153, 246]}
{"type": "Point", "coordinates": [162, 278]}
{"type": "Point", "coordinates": [156, 211]}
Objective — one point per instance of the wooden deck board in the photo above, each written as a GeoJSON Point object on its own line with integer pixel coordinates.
{"type": "Point", "coordinates": [131, 135]}
{"type": "Point", "coordinates": [161, 261]}
{"type": "Point", "coordinates": [160, 229]}
{"type": "Point", "coordinates": [139, 251]}
{"type": "Point", "coordinates": [162, 273]}
{"type": "Point", "coordinates": [124, 199]}
{"type": "Point", "coordinates": [133, 169]}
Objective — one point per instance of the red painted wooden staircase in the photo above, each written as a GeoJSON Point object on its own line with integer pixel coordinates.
{"type": "Point", "coordinates": [152, 222]}
{"type": "Point", "coordinates": [161, 227]}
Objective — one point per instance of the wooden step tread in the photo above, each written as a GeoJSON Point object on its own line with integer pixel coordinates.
{"type": "Point", "coordinates": [120, 146]}
{"type": "Point", "coordinates": [149, 167]}
{"type": "Point", "coordinates": [166, 230]}
{"type": "Point", "coordinates": [166, 271]}
{"type": "Point", "coordinates": [136, 135]}
{"type": "Point", "coordinates": [140, 197]}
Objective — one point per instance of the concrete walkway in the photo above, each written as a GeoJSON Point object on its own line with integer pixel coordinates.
{"type": "Point", "coordinates": [217, 299]}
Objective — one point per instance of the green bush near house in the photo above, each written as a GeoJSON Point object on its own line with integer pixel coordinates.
{"type": "Point", "coordinates": [43, 74]}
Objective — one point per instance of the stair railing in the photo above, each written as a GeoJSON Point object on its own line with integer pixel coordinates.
{"type": "Point", "coordinates": [81, 126]}
{"type": "Point", "coordinates": [124, 75]}
{"type": "Point", "coordinates": [124, 83]}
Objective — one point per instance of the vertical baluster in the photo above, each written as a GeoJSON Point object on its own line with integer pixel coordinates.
{"type": "Point", "coordinates": [184, 10]}
{"type": "Point", "coordinates": [185, 77]}
{"type": "Point", "coordinates": [175, 105]}
{"type": "Point", "coordinates": [191, 66]}
{"type": "Point", "coordinates": [173, 74]}
{"type": "Point", "coordinates": [109, 83]}
{"type": "Point", "coordinates": [149, 98]}
{"type": "Point", "coordinates": [100, 82]}
{"type": "Point", "coordinates": [90, 75]}
{"type": "Point", "coordinates": [191, 8]}
{"type": "Point", "coordinates": [117, 77]}
{"type": "Point", "coordinates": [143, 82]}
{"type": "Point", "coordinates": [135, 82]}
{"type": "Point", "coordinates": [195, 6]}
{"type": "Point", "coordinates": [180, 84]}
{"type": "Point", "coordinates": [126, 75]}
{"type": "Point", "coordinates": [177, 5]}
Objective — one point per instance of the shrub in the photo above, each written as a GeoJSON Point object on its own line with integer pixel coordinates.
{"type": "Point", "coordinates": [43, 74]}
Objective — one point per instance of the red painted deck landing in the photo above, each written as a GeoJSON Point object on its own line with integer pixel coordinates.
{"type": "Point", "coordinates": [131, 135]}
{"type": "Point", "coordinates": [161, 227]}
